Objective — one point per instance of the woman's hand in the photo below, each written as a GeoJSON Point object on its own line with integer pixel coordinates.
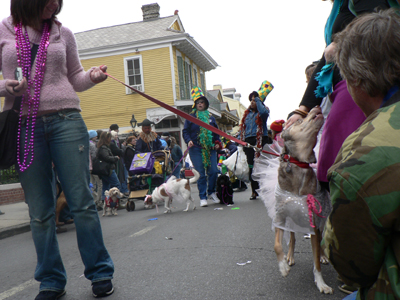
{"type": "Point", "coordinates": [16, 88]}
{"type": "Point", "coordinates": [98, 75]}
{"type": "Point", "coordinates": [292, 119]}
{"type": "Point", "coordinates": [330, 52]}
{"type": "Point", "coordinates": [296, 117]}
{"type": "Point", "coordinates": [190, 144]}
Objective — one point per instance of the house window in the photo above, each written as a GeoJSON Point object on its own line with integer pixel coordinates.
{"type": "Point", "coordinates": [134, 73]}
{"type": "Point", "coordinates": [167, 123]}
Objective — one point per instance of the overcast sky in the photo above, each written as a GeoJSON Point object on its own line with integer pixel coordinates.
{"type": "Point", "coordinates": [252, 41]}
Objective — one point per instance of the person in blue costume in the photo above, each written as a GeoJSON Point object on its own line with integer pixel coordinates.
{"type": "Point", "coordinates": [202, 147]}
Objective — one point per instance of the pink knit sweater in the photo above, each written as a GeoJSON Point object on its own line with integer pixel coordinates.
{"type": "Point", "coordinates": [64, 74]}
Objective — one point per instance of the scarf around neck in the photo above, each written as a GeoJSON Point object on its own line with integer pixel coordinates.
{"type": "Point", "coordinates": [205, 137]}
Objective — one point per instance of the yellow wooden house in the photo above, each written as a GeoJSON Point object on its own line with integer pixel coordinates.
{"type": "Point", "coordinates": [155, 56]}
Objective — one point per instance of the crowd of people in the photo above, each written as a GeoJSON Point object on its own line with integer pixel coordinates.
{"type": "Point", "coordinates": [356, 82]}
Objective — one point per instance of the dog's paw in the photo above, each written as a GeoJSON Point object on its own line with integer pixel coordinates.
{"type": "Point", "coordinates": [194, 207]}
{"type": "Point", "coordinates": [320, 283]}
{"type": "Point", "coordinates": [324, 260]}
{"type": "Point", "coordinates": [284, 268]}
{"type": "Point", "coordinates": [290, 260]}
{"type": "Point", "coordinates": [186, 209]}
{"type": "Point", "coordinates": [324, 288]}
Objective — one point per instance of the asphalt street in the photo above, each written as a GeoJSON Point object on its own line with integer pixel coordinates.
{"type": "Point", "coordinates": [181, 255]}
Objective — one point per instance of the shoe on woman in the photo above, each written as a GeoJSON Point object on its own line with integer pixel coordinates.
{"type": "Point", "coordinates": [254, 196]}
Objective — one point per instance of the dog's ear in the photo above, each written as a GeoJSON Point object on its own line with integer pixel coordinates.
{"type": "Point", "coordinates": [285, 135]}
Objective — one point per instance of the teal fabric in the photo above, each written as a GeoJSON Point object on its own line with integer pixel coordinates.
{"type": "Point", "coordinates": [324, 79]}
{"type": "Point", "coordinates": [331, 20]}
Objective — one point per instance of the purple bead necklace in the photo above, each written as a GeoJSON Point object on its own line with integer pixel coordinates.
{"type": "Point", "coordinates": [31, 102]}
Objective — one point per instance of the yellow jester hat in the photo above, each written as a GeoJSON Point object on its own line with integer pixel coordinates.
{"type": "Point", "coordinates": [265, 88]}
{"type": "Point", "coordinates": [196, 93]}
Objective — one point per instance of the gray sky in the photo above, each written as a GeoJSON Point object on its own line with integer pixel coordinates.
{"type": "Point", "coordinates": [252, 40]}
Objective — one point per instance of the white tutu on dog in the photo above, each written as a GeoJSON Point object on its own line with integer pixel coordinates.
{"type": "Point", "coordinates": [287, 211]}
{"type": "Point", "coordinates": [265, 171]}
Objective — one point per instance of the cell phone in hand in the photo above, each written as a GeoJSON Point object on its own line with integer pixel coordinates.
{"type": "Point", "coordinates": [18, 74]}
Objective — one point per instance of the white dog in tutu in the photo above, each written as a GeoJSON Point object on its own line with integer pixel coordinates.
{"type": "Point", "coordinates": [111, 201]}
{"type": "Point", "coordinates": [173, 189]}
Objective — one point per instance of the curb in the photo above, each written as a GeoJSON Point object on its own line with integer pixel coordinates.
{"type": "Point", "coordinates": [14, 230]}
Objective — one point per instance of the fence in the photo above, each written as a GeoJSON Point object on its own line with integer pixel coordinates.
{"type": "Point", "coordinates": [9, 176]}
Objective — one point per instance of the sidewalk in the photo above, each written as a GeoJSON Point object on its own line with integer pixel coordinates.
{"type": "Point", "coordinates": [15, 219]}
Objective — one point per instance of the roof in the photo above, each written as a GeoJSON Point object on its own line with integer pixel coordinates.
{"type": "Point", "coordinates": [126, 33]}
{"type": "Point", "coordinates": [144, 32]}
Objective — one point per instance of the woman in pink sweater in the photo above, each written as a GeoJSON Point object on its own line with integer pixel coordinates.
{"type": "Point", "coordinates": [51, 129]}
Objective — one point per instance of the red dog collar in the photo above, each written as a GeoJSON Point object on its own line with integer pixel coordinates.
{"type": "Point", "coordinates": [296, 162]}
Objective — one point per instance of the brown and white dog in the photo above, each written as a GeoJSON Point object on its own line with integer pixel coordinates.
{"type": "Point", "coordinates": [296, 181]}
{"type": "Point", "coordinates": [174, 189]}
{"type": "Point", "coordinates": [111, 201]}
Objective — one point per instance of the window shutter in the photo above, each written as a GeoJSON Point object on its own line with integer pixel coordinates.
{"type": "Point", "coordinates": [181, 78]}
{"type": "Point", "coordinates": [190, 77]}
{"type": "Point", "coordinates": [196, 82]}
{"type": "Point", "coordinates": [202, 79]}
{"type": "Point", "coordinates": [187, 81]}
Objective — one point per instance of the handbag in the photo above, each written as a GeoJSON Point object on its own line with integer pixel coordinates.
{"type": "Point", "coordinates": [8, 138]}
{"type": "Point", "coordinates": [101, 167]}
{"type": "Point", "coordinates": [9, 128]}
{"type": "Point", "coordinates": [237, 163]}
{"type": "Point", "coordinates": [142, 163]}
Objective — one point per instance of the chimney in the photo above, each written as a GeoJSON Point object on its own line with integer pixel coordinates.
{"type": "Point", "coordinates": [151, 12]}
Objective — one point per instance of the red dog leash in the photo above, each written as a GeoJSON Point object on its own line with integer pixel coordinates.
{"type": "Point", "coordinates": [205, 125]}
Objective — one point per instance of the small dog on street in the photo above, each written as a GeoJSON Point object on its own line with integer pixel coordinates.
{"type": "Point", "coordinates": [174, 189]}
{"type": "Point", "coordinates": [225, 190]}
{"type": "Point", "coordinates": [111, 201]}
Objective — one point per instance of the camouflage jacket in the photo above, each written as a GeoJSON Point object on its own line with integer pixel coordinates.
{"type": "Point", "coordinates": [362, 233]}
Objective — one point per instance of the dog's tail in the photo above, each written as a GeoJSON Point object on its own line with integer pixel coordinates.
{"type": "Point", "coordinates": [196, 176]}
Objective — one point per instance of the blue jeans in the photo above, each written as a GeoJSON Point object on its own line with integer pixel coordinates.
{"type": "Point", "coordinates": [177, 171]}
{"type": "Point", "coordinates": [110, 182]}
{"type": "Point", "coordinates": [195, 156]}
{"type": "Point", "coordinates": [124, 185]}
{"type": "Point", "coordinates": [62, 138]}
{"type": "Point", "coordinates": [352, 296]}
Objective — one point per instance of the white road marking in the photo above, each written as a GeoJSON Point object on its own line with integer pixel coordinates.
{"type": "Point", "coordinates": [143, 231]}
{"type": "Point", "coordinates": [17, 289]}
